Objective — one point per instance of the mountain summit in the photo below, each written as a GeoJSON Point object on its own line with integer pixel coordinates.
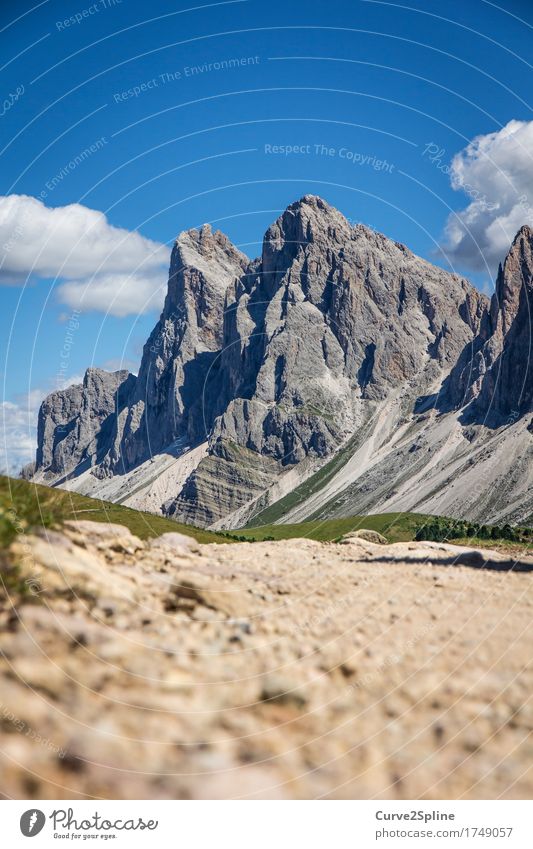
{"type": "Point", "coordinates": [336, 373]}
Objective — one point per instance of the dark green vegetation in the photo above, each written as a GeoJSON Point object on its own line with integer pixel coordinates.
{"type": "Point", "coordinates": [313, 484]}
{"type": "Point", "coordinates": [439, 528]}
{"type": "Point", "coordinates": [25, 505]}
{"type": "Point", "coordinates": [396, 527]}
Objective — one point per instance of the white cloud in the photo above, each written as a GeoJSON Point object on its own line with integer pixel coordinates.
{"type": "Point", "coordinates": [75, 380]}
{"type": "Point", "coordinates": [120, 294]}
{"type": "Point", "coordinates": [18, 431]}
{"type": "Point", "coordinates": [101, 267]}
{"type": "Point", "coordinates": [18, 426]}
{"type": "Point", "coordinates": [496, 172]}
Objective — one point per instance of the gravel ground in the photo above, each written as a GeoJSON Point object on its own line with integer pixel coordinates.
{"type": "Point", "coordinates": [293, 669]}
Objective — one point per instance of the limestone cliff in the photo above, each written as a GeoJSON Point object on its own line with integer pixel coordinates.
{"type": "Point", "coordinates": [337, 373]}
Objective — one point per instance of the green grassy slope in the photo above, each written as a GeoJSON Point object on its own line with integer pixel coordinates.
{"type": "Point", "coordinates": [397, 527]}
{"type": "Point", "coordinates": [25, 505]}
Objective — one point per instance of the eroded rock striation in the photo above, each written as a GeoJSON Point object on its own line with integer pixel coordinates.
{"type": "Point", "coordinates": [337, 368]}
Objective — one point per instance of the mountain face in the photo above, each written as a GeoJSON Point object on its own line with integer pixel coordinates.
{"type": "Point", "coordinates": [335, 373]}
{"type": "Point", "coordinates": [175, 391]}
{"type": "Point", "coordinates": [495, 376]}
{"type": "Point", "coordinates": [328, 322]}
{"type": "Point", "coordinates": [76, 425]}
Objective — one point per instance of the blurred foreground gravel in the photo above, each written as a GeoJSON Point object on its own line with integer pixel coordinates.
{"type": "Point", "coordinates": [294, 669]}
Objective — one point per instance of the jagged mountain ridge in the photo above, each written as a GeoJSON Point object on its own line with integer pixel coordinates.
{"type": "Point", "coordinates": [335, 343]}
{"type": "Point", "coordinates": [495, 377]}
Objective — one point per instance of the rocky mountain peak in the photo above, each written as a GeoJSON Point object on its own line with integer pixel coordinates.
{"type": "Point", "coordinates": [206, 242]}
{"type": "Point", "coordinates": [201, 265]}
{"type": "Point", "coordinates": [172, 395]}
{"type": "Point", "coordinates": [309, 221]}
{"type": "Point", "coordinates": [514, 276]}
{"type": "Point", "coordinates": [98, 381]}
{"type": "Point", "coordinates": [260, 368]}
{"type": "Point", "coordinates": [306, 221]}
{"type": "Point", "coordinates": [493, 375]}
{"type": "Point", "coordinates": [331, 320]}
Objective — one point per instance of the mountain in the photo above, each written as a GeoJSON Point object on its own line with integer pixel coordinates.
{"type": "Point", "coordinates": [337, 373]}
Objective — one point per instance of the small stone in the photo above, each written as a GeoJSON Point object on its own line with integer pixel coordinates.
{"type": "Point", "coordinates": [365, 535]}
{"type": "Point", "coordinates": [278, 690]}
{"type": "Point", "coordinates": [174, 542]}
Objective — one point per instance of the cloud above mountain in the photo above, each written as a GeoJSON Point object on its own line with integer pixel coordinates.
{"type": "Point", "coordinates": [496, 172]}
{"type": "Point", "coordinates": [18, 425]}
{"type": "Point", "coordinates": [97, 266]}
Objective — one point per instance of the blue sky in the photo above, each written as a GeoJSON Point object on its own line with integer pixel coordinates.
{"type": "Point", "coordinates": [165, 115]}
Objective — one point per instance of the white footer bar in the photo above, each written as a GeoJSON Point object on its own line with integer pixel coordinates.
{"type": "Point", "coordinates": [268, 824]}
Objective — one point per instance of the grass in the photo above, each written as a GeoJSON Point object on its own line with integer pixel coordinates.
{"type": "Point", "coordinates": [396, 527]}
{"type": "Point", "coordinates": [502, 545]}
{"type": "Point", "coordinates": [25, 505]}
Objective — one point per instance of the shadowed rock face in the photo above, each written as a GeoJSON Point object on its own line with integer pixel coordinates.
{"type": "Point", "coordinates": [507, 384]}
{"type": "Point", "coordinates": [325, 324]}
{"type": "Point", "coordinates": [494, 375]}
{"type": "Point", "coordinates": [76, 425]}
{"type": "Point", "coordinates": [286, 358]}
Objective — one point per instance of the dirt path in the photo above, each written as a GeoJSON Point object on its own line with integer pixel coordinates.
{"type": "Point", "coordinates": [290, 669]}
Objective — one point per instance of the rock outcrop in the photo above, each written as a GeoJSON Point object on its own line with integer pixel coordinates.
{"type": "Point", "coordinates": [177, 385]}
{"type": "Point", "coordinates": [76, 425]}
{"type": "Point", "coordinates": [294, 670]}
{"type": "Point", "coordinates": [336, 372]}
{"type": "Point", "coordinates": [494, 377]}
